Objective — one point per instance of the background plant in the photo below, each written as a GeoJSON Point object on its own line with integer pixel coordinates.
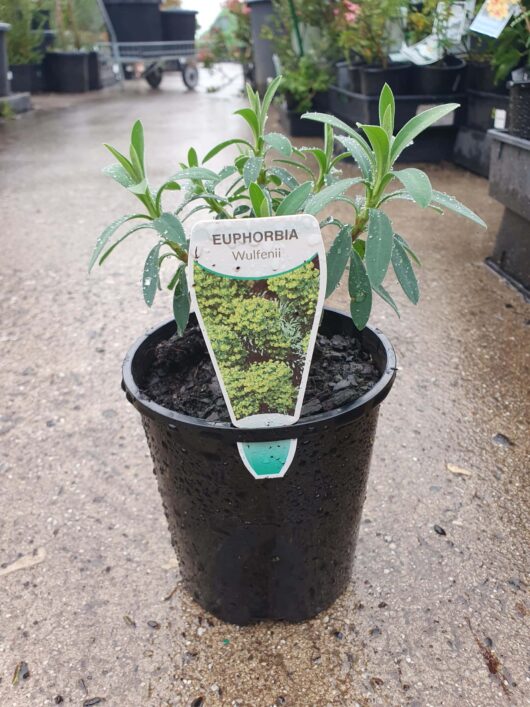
{"type": "Point", "coordinates": [24, 40]}
{"type": "Point", "coordinates": [513, 46]}
{"type": "Point", "coordinates": [271, 177]}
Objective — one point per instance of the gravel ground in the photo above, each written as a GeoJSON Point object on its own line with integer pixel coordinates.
{"type": "Point", "coordinates": [437, 613]}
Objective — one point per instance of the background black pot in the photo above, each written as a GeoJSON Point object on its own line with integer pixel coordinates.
{"type": "Point", "coordinates": [135, 20]}
{"type": "Point", "coordinates": [443, 78]}
{"type": "Point", "coordinates": [480, 76]}
{"type": "Point", "coordinates": [519, 122]}
{"type": "Point", "coordinates": [27, 78]}
{"type": "Point", "coordinates": [397, 76]}
{"type": "Point", "coordinates": [277, 549]}
{"type": "Point", "coordinates": [66, 72]}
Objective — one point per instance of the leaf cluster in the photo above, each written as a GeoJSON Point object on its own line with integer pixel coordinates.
{"type": "Point", "coordinates": [269, 176]}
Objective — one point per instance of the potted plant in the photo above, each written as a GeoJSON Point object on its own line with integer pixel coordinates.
{"type": "Point", "coordinates": [445, 76]}
{"type": "Point", "coordinates": [280, 548]}
{"type": "Point", "coordinates": [302, 36]}
{"type": "Point", "coordinates": [24, 47]}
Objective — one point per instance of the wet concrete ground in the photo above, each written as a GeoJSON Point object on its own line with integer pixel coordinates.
{"type": "Point", "coordinates": [430, 619]}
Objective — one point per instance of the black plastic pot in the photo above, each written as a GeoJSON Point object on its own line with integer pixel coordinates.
{"type": "Point", "coordinates": [66, 72]}
{"type": "Point", "coordinates": [269, 549]}
{"type": "Point", "coordinates": [483, 110]}
{"type": "Point", "coordinates": [397, 76]}
{"type": "Point", "coordinates": [519, 122]}
{"type": "Point", "coordinates": [178, 25]}
{"type": "Point", "coordinates": [135, 21]}
{"type": "Point", "coordinates": [443, 78]}
{"type": "Point", "coordinates": [27, 78]}
{"type": "Point", "coordinates": [480, 77]}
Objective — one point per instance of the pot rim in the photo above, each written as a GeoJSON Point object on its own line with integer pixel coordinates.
{"type": "Point", "coordinates": [338, 416]}
{"type": "Point", "coordinates": [458, 66]}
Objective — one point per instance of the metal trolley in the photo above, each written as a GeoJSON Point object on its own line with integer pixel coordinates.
{"type": "Point", "coordinates": [155, 58]}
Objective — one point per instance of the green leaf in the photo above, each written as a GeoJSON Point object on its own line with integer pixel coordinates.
{"type": "Point", "coordinates": [360, 246]}
{"type": "Point", "coordinates": [360, 291]}
{"type": "Point", "coordinates": [416, 183]}
{"type": "Point", "coordinates": [405, 272]}
{"type": "Point", "coordinates": [196, 173]}
{"type": "Point", "coordinates": [171, 229]}
{"type": "Point", "coordinates": [406, 246]}
{"type": "Point", "coordinates": [119, 174]}
{"type": "Point", "coordinates": [107, 234]}
{"type": "Point", "coordinates": [137, 143]}
{"type": "Point", "coordinates": [137, 165]}
{"type": "Point", "coordinates": [379, 245]}
{"type": "Point", "coordinates": [222, 145]}
{"type": "Point", "coordinates": [386, 101]}
{"type": "Point", "coordinates": [386, 296]}
{"type": "Point", "coordinates": [139, 188]}
{"type": "Point", "coordinates": [193, 160]}
{"type": "Point", "coordinates": [253, 98]}
{"type": "Point", "coordinates": [127, 166]}
{"type": "Point", "coordinates": [252, 169]}
{"type": "Point", "coordinates": [267, 100]}
{"type": "Point", "coordinates": [449, 202]}
{"type": "Point", "coordinates": [339, 125]}
{"type": "Point", "coordinates": [256, 197]}
{"type": "Point", "coordinates": [298, 165]}
{"type": "Point", "coordinates": [226, 172]}
{"type": "Point", "coordinates": [318, 201]}
{"type": "Point", "coordinates": [122, 238]}
{"type": "Point", "coordinates": [417, 125]}
{"type": "Point", "coordinates": [279, 142]}
{"type": "Point", "coordinates": [358, 154]}
{"type": "Point", "coordinates": [320, 157]}
{"type": "Point", "coordinates": [381, 147]}
{"type": "Point", "coordinates": [150, 276]}
{"type": "Point", "coordinates": [337, 258]}
{"type": "Point", "coordinates": [294, 202]}
{"type": "Point", "coordinates": [250, 117]}
{"type": "Point", "coordinates": [167, 186]}
{"type": "Point", "coordinates": [181, 301]}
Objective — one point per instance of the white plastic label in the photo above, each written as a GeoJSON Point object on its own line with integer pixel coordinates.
{"type": "Point", "coordinates": [258, 288]}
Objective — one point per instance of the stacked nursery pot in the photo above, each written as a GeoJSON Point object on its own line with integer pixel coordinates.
{"type": "Point", "coordinates": [519, 122]}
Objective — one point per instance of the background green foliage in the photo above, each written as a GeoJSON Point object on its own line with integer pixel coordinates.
{"type": "Point", "coordinates": [259, 335]}
{"type": "Point", "coordinates": [24, 39]}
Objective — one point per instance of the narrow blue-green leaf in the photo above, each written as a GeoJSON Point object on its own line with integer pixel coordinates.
{"type": "Point", "coordinates": [226, 172]}
{"type": "Point", "coordinates": [171, 229]}
{"type": "Point", "coordinates": [181, 301]}
{"type": "Point", "coordinates": [405, 273]}
{"type": "Point", "coordinates": [127, 166]}
{"type": "Point", "coordinates": [360, 246]}
{"type": "Point", "coordinates": [119, 174]}
{"type": "Point", "coordinates": [324, 197]}
{"type": "Point", "coordinates": [253, 98]}
{"type": "Point", "coordinates": [386, 296]}
{"type": "Point", "coordinates": [449, 202]}
{"type": "Point", "coordinates": [240, 210]}
{"type": "Point", "coordinates": [386, 101]}
{"type": "Point", "coordinates": [196, 173]}
{"type": "Point", "coordinates": [137, 142]}
{"type": "Point", "coordinates": [320, 157]}
{"type": "Point", "coordinates": [417, 125]}
{"type": "Point", "coordinates": [380, 145]}
{"type": "Point", "coordinates": [378, 246]}
{"type": "Point", "coordinates": [167, 186]}
{"type": "Point", "coordinates": [360, 291]}
{"type": "Point", "coordinates": [113, 247]}
{"type": "Point", "coordinates": [279, 142]}
{"type": "Point", "coordinates": [252, 169]}
{"type": "Point", "coordinates": [337, 258]}
{"type": "Point", "coordinates": [416, 183]}
{"type": "Point", "coordinates": [294, 202]}
{"type": "Point", "coordinates": [256, 197]}
{"type": "Point", "coordinates": [267, 99]}
{"type": "Point", "coordinates": [358, 154]}
{"type": "Point", "coordinates": [339, 125]}
{"type": "Point", "coordinates": [107, 234]}
{"type": "Point", "coordinates": [222, 145]}
{"type": "Point", "coordinates": [406, 246]}
{"type": "Point", "coordinates": [137, 165]}
{"type": "Point", "coordinates": [193, 160]}
{"type": "Point", "coordinates": [250, 117]}
{"type": "Point", "coordinates": [298, 165]}
{"type": "Point", "coordinates": [150, 275]}
{"type": "Point", "coordinates": [139, 188]}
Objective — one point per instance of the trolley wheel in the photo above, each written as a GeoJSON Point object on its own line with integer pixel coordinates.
{"type": "Point", "coordinates": [154, 75]}
{"type": "Point", "coordinates": [190, 75]}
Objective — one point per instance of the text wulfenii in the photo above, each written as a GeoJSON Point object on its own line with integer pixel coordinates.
{"type": "Point", "coordinates": [253, 237]}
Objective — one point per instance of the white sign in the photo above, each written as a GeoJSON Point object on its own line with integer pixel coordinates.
{"type": "Point", "coordinates": [493, 17]}
{"type": "Point", "coordinates": [258, 287]}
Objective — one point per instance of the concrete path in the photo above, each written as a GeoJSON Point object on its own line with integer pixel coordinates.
{"type": "Point", "coordinates": [430, 619]}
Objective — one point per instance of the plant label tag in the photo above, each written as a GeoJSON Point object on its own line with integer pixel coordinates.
{"type": "Point", "coordinates": [499, 118]}
{"type": "Point", "coordinates": [493, 17]}
{"type": "Point", "coordinates": [258, 287]}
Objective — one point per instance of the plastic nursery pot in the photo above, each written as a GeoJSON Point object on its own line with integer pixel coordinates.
{"type": "Point", "coordinates": [66, 72]}
{"type": "Point", "coordinates": [263, 549]}
{"type": "Point", "coordinates": [443, 78]}
{"type": "Point", "coordinates": [519, 121]}
{"type": "Point", "coordinates": [397, 76]}
{"type": "Point", "coordinates": [480, 76]}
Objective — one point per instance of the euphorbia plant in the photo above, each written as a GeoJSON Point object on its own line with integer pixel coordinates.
{"type": "Point", "coordinates": [260, 182]}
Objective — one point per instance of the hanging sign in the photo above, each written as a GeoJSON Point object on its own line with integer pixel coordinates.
{"type": "Point", "coordinates": [493, 17]}
{"type": "Point", "coordinates": [258, 287]}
